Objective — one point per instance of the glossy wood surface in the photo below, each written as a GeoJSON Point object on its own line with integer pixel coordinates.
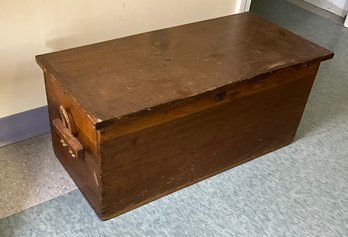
{"type": "Point", "coordinates": [141, 166]}
{"type": "Point", "coordinates": [84, 171]}
{"type": "Point", "coordinates": [114, 79]}
{"type": "Point", "coordinates": [159, 111]}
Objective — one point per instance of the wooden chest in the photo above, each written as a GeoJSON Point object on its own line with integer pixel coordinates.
{"type": "Point", "coordinates": [137, 118]}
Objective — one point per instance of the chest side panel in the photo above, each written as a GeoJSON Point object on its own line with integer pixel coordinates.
{"type": "Point", "coordinates": [85, 170]}
{"type": "Point", "coordinates": [167, 151]}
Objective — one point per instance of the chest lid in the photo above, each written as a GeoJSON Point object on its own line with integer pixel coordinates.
{"type": "Point", "coordinates": [117, 78]}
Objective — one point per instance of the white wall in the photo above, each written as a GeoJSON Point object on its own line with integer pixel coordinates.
{"type": "Point", "coordinates": [34, 27]}
{"type": "Point", "coordinates": [339, 7]}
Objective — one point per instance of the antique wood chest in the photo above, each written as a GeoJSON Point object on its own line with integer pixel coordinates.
{"type": "Point", "coordinates": [136, 118]}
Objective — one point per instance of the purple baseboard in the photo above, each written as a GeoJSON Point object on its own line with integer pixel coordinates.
{"type": "Point", "coordinates": [25, 125]}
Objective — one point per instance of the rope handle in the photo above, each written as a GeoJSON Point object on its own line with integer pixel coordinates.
{"type": "Point", "coordinates": [65, 127]}
{"type": "Point", "coordinates": [67, 120]}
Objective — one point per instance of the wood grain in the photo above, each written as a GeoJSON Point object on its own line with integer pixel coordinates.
{"type": "Point", "coordinates": [152, 162]}
{"type": "Point", "coordinates": [86, 171]}
{"type": "Point", "coordinates": [207, 100]}
{"type": "Point", "coordinates": [162, 110]}
{"type": "Point", "coordinates": [117, 78]}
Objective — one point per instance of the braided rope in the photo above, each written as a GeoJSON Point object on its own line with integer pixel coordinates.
{"type": "Point", "coordinates": [65, 118]}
